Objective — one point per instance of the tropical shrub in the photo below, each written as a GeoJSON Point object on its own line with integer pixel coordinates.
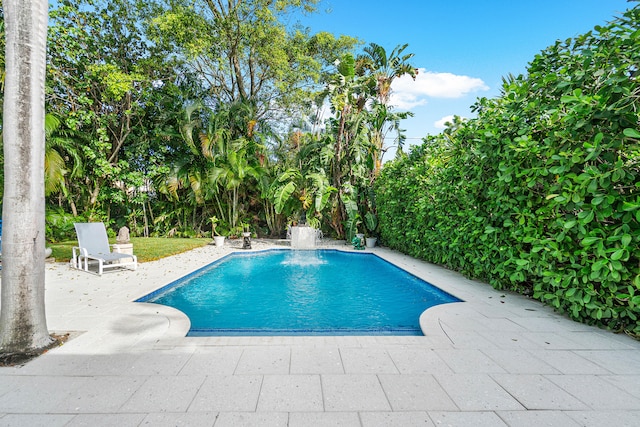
{"type": "Point", "coordinates": [59, 225]}
{"type": "Point", "coordinates": [541, 192]}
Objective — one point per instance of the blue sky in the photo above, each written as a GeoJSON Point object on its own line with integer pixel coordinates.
{"type": "Point", "coordinates": [463, 48]}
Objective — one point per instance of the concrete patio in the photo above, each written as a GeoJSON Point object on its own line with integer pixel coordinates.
{"type": "Point", "coordinates": [496, 359]}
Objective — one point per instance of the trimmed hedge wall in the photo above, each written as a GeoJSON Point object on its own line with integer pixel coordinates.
{"type": "Point", "coordinates": [541, 192]}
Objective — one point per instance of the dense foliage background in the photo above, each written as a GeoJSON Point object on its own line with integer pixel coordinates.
{"type": "Point", "coordinates": [541, 192]}
{"type": "Point", "coordinates": [177, 118]}
{"type": "Point", "coordinates": [187, 117]}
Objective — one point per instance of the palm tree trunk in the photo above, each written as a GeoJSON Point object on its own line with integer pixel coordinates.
{"type": "Point", "coordinates": [235, 206]}
{"type": "Point", "coordinates": [23, 325]}
{"type": "Point", "coordinates": [74, 210]}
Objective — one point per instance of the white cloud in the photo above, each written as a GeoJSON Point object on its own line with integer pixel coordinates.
{"type": "Point", "coordinates": [406, 100]}
{"type": "Point", "coordinates": [408, 93]}
{"type": "Point", "coordinates": [440, 124]}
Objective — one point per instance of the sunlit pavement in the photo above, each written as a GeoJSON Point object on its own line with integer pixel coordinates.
{"type": "Point", "coordinates": [495, 359]}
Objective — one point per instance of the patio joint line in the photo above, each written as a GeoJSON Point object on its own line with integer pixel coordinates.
{"type": "Point", "coordinates": [386, 396]}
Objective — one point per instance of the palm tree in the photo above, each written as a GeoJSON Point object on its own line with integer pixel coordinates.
{"type": "Point", "coordinates": [219, 160]}
{"type": "Point", "coordinates": [232, 169]}
{"type": "Point", "coordinates": [381, 121]}
{"type": "Point", "coordinates": [383, 69]}
{"type": "Point", "coordinates": [23, 325]}
{"type": "Point", "coordinates": [231, 143]}
{"type": "Point", "coordinates": [186, 178]}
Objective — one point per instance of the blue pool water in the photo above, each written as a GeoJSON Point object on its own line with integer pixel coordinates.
{"type": "Point", "coordinates": [286, 292]}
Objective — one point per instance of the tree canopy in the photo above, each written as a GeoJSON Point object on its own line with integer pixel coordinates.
{"type": "Point", "coordinates": [162, 115]}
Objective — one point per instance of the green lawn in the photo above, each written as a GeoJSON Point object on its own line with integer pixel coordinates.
{"type": "Point", "coordinates": [145, 248]}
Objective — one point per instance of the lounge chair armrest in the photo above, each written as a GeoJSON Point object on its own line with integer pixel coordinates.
{"type": "Point", "coordinates": [82, 251]}
{"type": "Point", "coordinates": [78, 252]}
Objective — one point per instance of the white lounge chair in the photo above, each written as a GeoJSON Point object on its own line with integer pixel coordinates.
{"type": "Point", "coordinates": [93, 246]}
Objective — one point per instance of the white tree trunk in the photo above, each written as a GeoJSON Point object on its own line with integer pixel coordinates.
{"type": "Point", "coordinates": [23, 325]}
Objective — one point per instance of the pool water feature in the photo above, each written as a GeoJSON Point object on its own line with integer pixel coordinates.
{"type": "Point", "coordinates": [310, 292]}
{"type": "Point", "coordinates": [303, 237]}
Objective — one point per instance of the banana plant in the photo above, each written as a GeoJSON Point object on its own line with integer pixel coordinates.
{"type": "Point", "coordinates": [382, 69]}
{"type": "Point", "coordinates": [295, 192]}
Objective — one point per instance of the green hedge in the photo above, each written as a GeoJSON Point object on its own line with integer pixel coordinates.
{"type": "Point", "coordinates": [539, 193]}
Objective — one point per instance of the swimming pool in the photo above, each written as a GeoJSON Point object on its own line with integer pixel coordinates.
{"type": "Point", "coordinates": [306, 292]}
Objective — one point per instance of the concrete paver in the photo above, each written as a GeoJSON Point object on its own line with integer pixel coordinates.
{"type": "Point", "coordinates": [105, 420]}
{"type": "Point", "coordinates": [324, 419]}
{"type": "Point", "coordinates": [537, 419]}
{"type": "Point", "coordinates": [416, 393]}
{"type": "Point", "coordinates": [35, 420]}
{"type": "Point", "coordinates": [628, 383]}
{"type": "Point", "coordinates": [517, 361]}
{"type": "Point", "coordinates": [537, 392]}
{"type": "Point", "coordinates": [269, 360]}
{"type": "Point", "coordinates": [622, 362]}
{"type": "Point", "coordinates": [213, 361]}
{"type": "Point", "coordinates": [595, 392]}
{"type": "Point", "coordinates": [469, 361]}
{"type": "Point", "coordinates": [99, 395]}
{"type": "Point", "coordinates": [316, 360]}
{"type": "Point", "coordinates": [252, 419]}
{"type": "Point", "coordinates": [418, 361]}
{"type": "Point", "coordinates": [606, 418]}
{"type": "Point", "coordinates": [291, 393]}
{"type": "Point", "coordinates": [477, 392]}
{"type": "Point", "coordinates": [164, 393]}
{"type": "Point", "coordinates": [496, 359]}
{"type": "Point", "coordinates": [384, 419]}
{"type": "Point", "coordinates": [355, 392]}
{"type": "Point", "coordinates": [569, 362]}
{"type": "Point", "coordinates": [367, 361]}
{"type": "Point", "coordinates": [174, 419]}
{"type": "Point", "coordinates": [41, 394]}
{"type": "Point", "coordinates": [228, 393]}
{"type": "Point", "coordinates": [465, 419]}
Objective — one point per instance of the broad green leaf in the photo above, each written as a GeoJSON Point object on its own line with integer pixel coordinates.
{"type": "Point", "coordinates": [598, 138]}
{"type": "Point", "coordinates": [576, 198]}
{"type": "Point", "coordinates": [597, 266]}
{"type": "Point", "coordinates": [631, 133]}
{"type": "Point", "coordinates": [588, 241]}
{"type": "Point", "coordinates": [617, 255]}
{"type": "Point", "coordinates": [282, 196]}
{"type": "Point", "coordinates": [586, 216]}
